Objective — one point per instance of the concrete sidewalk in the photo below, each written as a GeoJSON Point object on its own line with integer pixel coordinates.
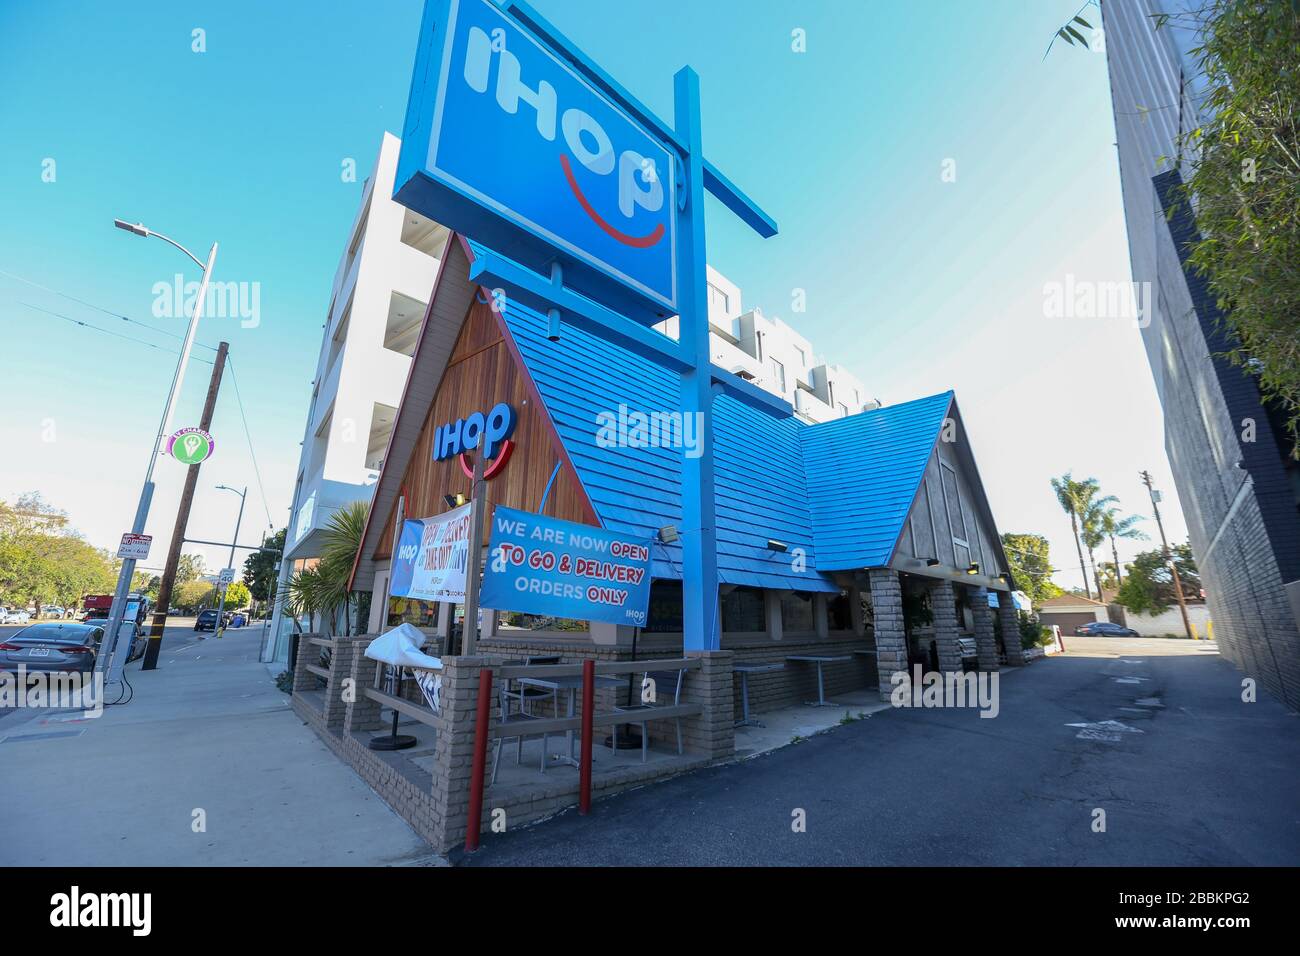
{"type": "Point", "coordinates": [207, 735]}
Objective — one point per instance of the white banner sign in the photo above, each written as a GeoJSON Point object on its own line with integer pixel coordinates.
{"type": "Point", "coordinates": [431, 557]}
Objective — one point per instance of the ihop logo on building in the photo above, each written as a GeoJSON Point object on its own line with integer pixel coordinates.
{"type": "Point", "coordinates": [488, 432]}
{"type": "Point", "coordinates": [549, 161]}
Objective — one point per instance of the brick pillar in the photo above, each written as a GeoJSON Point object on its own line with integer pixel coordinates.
{"type": "Point", "coordinates": [943, 605]}
{"type": "Point", "coordinates": [712, 733]}
{"type": "Point", "coordinates": [1010, 621]}
{"type": "Point", "coordinates": [336, 707]}
{"type": "Point", "coordinates": [362, 713]}
{"type": "Point", "coordinates": [454, 754]}
{"type": "Point", "coordinates": [986, 645]}
{"type": "Point", "coordinates": [891, 639]}
{"type": "Point", "coordinates": [308, 653]}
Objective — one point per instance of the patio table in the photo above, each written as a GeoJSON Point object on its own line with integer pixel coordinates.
{"type": "Point", "coordinates": [572, 685]}
{"type": "Point", "coordinates": [819, 660]}
{"type": "Point", "coordinates": [744, 670]}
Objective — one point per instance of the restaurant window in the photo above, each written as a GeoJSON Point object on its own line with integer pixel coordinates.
{"type": "Point", "coordinates": [743, 610]}
{"type": "Point", "coordinates": [840, 612]}
{"type": "Point", "coordinates": [665, 613]}
{"type": "Point", "coordinates": [423, 614]}
{"type": "Point", "coordinates": [515, 621]}
{"type": "Point", "coordinates": [797, 612]}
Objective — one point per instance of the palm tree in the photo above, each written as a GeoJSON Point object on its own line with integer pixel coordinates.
{"type": "Point", "coordinates": [1090, 526]}
{"type": "Point", "coordinates": [1074, 496]}
{"type": "Point", "coordinates": [323, 590]}
{"type": "Point", "coordinates": [1113, 526]}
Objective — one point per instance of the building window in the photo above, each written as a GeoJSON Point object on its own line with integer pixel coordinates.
{"type": "Point", "coordinates": [844, 411]}
{"type": "Point", "coordinates": [665, 608]}
{"type": "Point", "coordinates": [797, 613]}
{"type": "Point", "coordinates": [956, 524]}
{"type": "Point", "coordinates": [743, 611]}
{"type": "Point", "coordinates": [778, 374]}
{"type": "Point", "coordinates": [803, 359]}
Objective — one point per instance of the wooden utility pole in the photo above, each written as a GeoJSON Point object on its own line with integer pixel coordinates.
{"type": "Point", "coordinates": [182, 519]}
{"type": "Point", "coordinates": [1169, 559]}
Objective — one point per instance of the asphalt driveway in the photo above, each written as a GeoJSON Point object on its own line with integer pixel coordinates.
{"type": "Point", "coordinates": [1186, 775]}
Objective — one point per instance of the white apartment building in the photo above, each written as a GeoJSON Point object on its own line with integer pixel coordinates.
{"type": "Point", "coordinates": [376, 307]}
{"type": "Point", "coordinates": [766, 351]}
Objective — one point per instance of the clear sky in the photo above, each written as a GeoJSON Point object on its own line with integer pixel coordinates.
{"type": "Point", "coordinates": [916, 283]}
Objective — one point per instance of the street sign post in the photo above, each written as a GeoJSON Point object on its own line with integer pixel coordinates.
{"type": "Point", "coordinates": [190, 446]}
{"type": "Point", "coordinates": [587, 207]}
{"type": "Point", "coordinates": [226, 577]}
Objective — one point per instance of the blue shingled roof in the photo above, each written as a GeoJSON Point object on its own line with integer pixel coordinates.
{"type": "Point", "coordinates": [863, 472]}
{"type": "Point", "coordinates": [760, 464]}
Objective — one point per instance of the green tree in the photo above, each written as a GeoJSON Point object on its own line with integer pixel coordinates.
{"type": "Point", "coordinates": [1245, 183]}
{"type": "Point", "coordinates": [1149, 587]}
{"type": "Point", "coordinates": [237, 596]}
{"type": "Point", "coordinates": [322, 591]}
{"type": "Point", "coordinates": [1030, 565]}
{"type": "Point", "coordinates": [1112, 526]}
{"type": "Point", "coordinates": [189, 568]}
{"type": "Point", "coordinates": [262, 568]}
{"type": "Point", "coordinates": [192, 595]}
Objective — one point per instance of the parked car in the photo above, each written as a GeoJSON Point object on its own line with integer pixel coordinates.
{"type": "Point", "coordinates": [62, 646]}
{"type": "Point", "coordinates": [14, 616]}
{"type": "Point", "coordinates": [207, 620]}
{"type": "Point", "coordinates": [1104, 629]}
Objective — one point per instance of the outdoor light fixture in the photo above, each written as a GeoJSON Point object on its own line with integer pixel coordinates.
{"type": "Point", "coordinates": [931, 562]}
{"type": "Point", "coordinates": [138, 228]}
{"type": "Point", "coordinates": [973, 568]}
{"type": "Point", "coordinates": [668, 533]}
{"type": "Point", "coordinates": [454, 501]}
{"type": "Point", "coordinates": [774, 545]}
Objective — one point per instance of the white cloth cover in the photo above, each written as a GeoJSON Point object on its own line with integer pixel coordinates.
{"type": "Point", "coordinates": [401, 647]}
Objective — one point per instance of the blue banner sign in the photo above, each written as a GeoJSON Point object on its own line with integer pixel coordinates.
{"type": "Point", "coordinates": [540, 565]}
{"type": "Point", "coordinates": [510, 145]}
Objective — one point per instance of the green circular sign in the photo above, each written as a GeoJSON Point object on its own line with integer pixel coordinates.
{"type": "Point", "coordinates": [190, 446]}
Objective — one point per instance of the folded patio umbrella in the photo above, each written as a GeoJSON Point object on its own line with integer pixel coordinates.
{"type": "Point", "coordinates": [401, 648]}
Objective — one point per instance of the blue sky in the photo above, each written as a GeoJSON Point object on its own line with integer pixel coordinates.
{"type": "Point", "coordinates": [914, 283]}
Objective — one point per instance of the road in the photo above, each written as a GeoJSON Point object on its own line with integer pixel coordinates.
{"type": "Point", "coordinates": [1193, 777]}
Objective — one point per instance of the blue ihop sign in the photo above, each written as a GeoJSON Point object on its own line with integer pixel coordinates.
{"type": "Point", "coordinates": [510, 145]}
{"type": "Point", "coordinates": [541, 565]}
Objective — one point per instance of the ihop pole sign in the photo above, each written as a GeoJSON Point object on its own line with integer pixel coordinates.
{"type": "Point", "coordinates": [510, 145]}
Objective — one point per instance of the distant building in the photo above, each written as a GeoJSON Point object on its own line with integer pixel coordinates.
{"type": "Point", "coordinates": [1240, 495]}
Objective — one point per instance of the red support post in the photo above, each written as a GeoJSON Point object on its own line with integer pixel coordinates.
{"type": "Point", "coordinates": [588, 709]}
{"type": "Point", "coordinates": [475, 822]}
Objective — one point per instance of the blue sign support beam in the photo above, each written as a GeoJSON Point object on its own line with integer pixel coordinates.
{"type": "Point", "coordinates": [699, 532]}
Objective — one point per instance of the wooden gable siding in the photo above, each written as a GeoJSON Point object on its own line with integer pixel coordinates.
{"type": "Point", "coordinates": [481, 372]}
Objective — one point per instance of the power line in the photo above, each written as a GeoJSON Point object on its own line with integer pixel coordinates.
{"type": "Point", "coordinates": [117, 335]}
{"type": "Point", "coordinates": [100, 308]}
{"type": "Point", "coordinates": [234, 379]}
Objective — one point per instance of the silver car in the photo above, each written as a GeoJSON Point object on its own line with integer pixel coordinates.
{"type": "Point", "coordinates": [52, 646]}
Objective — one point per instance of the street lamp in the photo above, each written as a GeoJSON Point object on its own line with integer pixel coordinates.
{"type": "Point", "coordinates": [113, 662]}
{"type": "Point", "coordinates": [221, 599]}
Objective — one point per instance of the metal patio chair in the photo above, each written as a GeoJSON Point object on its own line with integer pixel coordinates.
{"type": "Point", "coordinates": [666, 682]}
{"type": "Point", "coordinates": [518, 720]}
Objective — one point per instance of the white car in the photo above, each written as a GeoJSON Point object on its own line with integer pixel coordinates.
{"type": "Point", "coordinates": [12, 616]}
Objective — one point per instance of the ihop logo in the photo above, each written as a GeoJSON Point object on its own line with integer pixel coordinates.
{"type": "Point", "coordinates": [635, 183]}
{"type": "Point", "coordinates": [488, 432]}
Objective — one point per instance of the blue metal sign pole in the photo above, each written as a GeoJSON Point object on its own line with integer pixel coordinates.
{"type": "Point", "coordinates": [698, 534]}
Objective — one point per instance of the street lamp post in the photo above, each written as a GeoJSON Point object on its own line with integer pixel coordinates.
{"type": "Point", "coordinates": [113, 661]}
{"type": "Point", "coordinates": [221, 600]}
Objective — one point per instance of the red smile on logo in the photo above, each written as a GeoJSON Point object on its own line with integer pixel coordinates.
{"type": "Point", "coordinates": [639, 242]}
{"type": "Point", "coordinates": [498, 463]}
